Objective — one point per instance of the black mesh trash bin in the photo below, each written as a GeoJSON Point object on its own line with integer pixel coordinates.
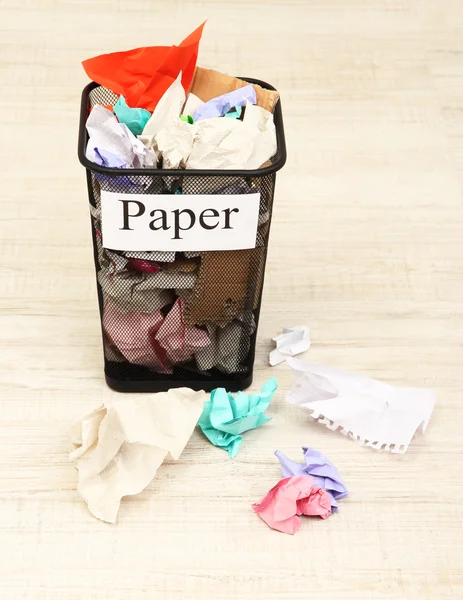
{"type": "Point", "coordinates": [186, 317]}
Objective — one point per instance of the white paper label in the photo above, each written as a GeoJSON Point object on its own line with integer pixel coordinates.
{"type": "Point", "coordinates": [183, 222]}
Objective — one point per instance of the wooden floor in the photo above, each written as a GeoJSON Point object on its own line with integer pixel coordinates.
{"type": "Point", "coordinates": [366, 249]}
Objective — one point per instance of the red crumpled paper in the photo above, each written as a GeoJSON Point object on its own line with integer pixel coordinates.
{"type": "Point", "coordinates": [143, 75]}
{"type": "Point", "coordinates": [293, 496]}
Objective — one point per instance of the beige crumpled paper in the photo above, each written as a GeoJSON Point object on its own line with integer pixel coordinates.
{"type": "Point", "coordinates": [120, 446]}
{"type": "Point", "coordinates": [233, 144]}
{"type": "Point", "coordinates": [218, 143]}
{"type": "Point", "coordinates": [174, 144]}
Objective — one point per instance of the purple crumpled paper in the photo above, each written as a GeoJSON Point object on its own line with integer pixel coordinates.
{"type": "Point", "coordinates": [105, 158]}
{"type": "Point", "coordinates": [218, 107]}
{"type": "Point", "coordinates": [320, 468]}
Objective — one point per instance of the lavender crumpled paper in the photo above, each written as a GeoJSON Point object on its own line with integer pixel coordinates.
{"type": "Point", "coordinates": [107, 134]}
{"type": "Point", "coordinates": [219, 106]}
{"type": "Point", "coordinates": [104, 158]}
{"type": "Point", "coordinates": [320, 468]}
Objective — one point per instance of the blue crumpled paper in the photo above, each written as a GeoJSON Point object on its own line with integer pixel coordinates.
{"type": "Point", "coordinates": [220, 106]}
{"type": "Point", "coordinates": [134, 118]}
{"type": "Point", "coordinates": [225, 418]}
{"type": "Point", "coordinates": [320, 468]}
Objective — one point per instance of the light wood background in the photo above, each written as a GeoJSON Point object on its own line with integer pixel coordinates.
{"type": "Point", "coordinates": [366, 249]}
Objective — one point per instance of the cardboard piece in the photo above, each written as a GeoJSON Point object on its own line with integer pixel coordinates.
{"type": "Point", "coordinates": [208, 84]}
{"type": "Point", "coordinates": [185, 265]}
{"type": "Point", "coordinates": [229, 283]}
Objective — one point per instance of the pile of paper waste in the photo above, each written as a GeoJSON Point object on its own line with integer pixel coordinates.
{"type": "Point", "coordinates": [167, 310]}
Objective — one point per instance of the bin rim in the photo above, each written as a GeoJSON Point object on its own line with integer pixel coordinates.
{"type": "Point", "coordinates": [273, 168]}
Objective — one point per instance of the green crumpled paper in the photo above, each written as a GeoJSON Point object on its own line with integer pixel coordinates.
{"type": "Point", "coordinates": [134, 118]}
{"type": "Point", "coordinates": [235, 113]}
{"type": "Point", "coordinates": [225, 417]}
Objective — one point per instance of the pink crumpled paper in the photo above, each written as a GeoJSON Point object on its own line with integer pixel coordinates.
{"type": "Point", "coordinates": [180, 341]}
{"type": "Point", "coordinates": [151, 340]}
{"type": "Point", "coordinates": [133, 334]}
{"type": "Point", "coordinates": [293, 496]}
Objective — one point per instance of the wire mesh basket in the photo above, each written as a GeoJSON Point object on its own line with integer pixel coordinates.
{"type": "Point", "coordinates": [179, 318]}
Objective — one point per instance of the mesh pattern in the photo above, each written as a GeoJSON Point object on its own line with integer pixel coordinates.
{"type": "Point", "coordinates": [173, 318]}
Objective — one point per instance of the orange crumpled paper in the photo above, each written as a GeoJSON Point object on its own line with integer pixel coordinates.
{"type": "Point", "coordinates": [293, 496]}
{"type": "Point", "coordinates": [143, 75]}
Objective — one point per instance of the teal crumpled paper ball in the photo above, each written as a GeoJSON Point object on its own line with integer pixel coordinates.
{"type": "Point", "coordinates": [134, 118]}
{"type": "Point", "coordinates": [225, 418]}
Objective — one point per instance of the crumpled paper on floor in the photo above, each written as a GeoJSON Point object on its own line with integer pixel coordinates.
{"type": "Point", "coordinates": [320, 468]}
{"type": "Point", "coordinates": [370, 412]}
{"type": "Point", "coordinates": [225, 417]}
{"type": "Point", "coordinates": [107, 134]}
{"type": "Point", "coordinates": [143, 75]}
{"type": "Point", "coordinates": [120, 446]}
{"type": "Point", "coordinates": [217, 107]}
{"type": "Point", "coordinates": [293, 340]}
{"type": "Point", "coordinates": [281, 506]}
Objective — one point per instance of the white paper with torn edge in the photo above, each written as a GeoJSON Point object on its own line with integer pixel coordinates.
{"type": "Point", "coordinates": [120, 446]}
{"type": "Point", "coordinates": [369, 411]}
